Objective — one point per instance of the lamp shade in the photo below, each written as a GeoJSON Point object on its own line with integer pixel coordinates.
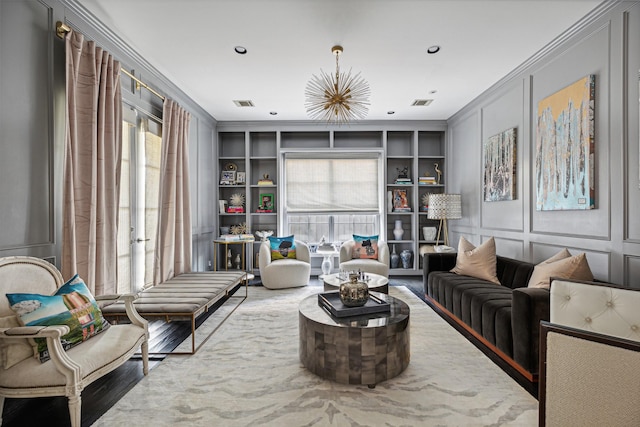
{"type": "Point", "coordinates": [445, 206]}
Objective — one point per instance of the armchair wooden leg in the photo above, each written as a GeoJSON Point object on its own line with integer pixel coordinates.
{"type": "Point", "coordinates": [145, 357]}
{"type": "Point", "coordinates": [74, 410]}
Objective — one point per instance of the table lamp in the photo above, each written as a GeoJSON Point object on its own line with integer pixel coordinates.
{"type": "Point", "coordinates": [444, 207]}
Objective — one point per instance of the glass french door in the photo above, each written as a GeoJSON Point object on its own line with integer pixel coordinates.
{"type": "Point", "coordinates": [139, 190]}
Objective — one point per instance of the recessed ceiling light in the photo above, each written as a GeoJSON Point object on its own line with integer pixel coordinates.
{"type": "Point", "coordinates": [433, 49]}
{"type": "Point", "coordinates": [240, 50]}
{"type": "Point", "coordinates": [391, 112]}
{"type": "Point", "coordinates": [421, 102]}
{"type": "Point", "coordinates": [273, 113]}
{"type": "Point", "coordinates": [244, 103]}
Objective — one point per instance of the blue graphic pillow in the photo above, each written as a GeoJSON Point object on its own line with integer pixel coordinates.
{"type": "Point", "coordinates": [72, 305]}
{"type": "Point", "coordinates": [366, 247]}
{"type": "Point", "coordinates": [282, 247]}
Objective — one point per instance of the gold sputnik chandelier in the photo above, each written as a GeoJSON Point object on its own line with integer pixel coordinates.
{"type": "Point", "coordinates": [337, 99]}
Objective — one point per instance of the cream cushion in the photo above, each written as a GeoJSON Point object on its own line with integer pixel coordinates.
{"type": "Point", "coordinates": [477, 262]}
{"type": "Point", "coordinates": [571, 267]}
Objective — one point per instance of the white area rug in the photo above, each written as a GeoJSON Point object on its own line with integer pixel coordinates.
{"type": "Point", "coordinates": [249, 374]}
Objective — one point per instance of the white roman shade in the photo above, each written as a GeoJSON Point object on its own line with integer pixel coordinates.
{"type": "Point", "coordinates": [331, 184]}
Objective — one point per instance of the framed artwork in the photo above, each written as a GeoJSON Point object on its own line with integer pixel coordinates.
{"type": "Point", "coordinates": [227, 177]}
{"type": "Point", "coordinates": [241, 177]}
{"type": "Point", "coordinates": [565, 177]}
{"type": "Point", "coordinates": [400, 201]}
{"type": "Point", "coordinates": [500, 166]}
{"type": "Point", "coordinates": [266, 202]}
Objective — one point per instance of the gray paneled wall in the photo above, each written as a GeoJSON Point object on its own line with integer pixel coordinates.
{"type": "Point", "coordinates": [608, 234]}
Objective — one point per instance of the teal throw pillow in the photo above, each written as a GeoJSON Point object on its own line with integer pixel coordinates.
{"type": "Point", "coordinates": [72, 305]}
{"type": "Point", "coordinates": [366, 247]}
{"type": "Point", "coordinates": [282, 247]}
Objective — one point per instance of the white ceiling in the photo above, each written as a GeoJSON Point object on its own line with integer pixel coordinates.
{"type": "Point", "coordinates": [192, 43]}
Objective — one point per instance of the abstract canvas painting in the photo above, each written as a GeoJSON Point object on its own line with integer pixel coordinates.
{"type": "Point", "coordinates": [500, 167]}
{"type": "Point", "coordinates": [564, 177]}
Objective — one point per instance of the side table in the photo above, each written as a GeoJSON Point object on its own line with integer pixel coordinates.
{"type": "Point", "coordinates": [243, 250]}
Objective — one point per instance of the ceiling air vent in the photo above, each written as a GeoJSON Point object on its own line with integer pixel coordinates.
{"type": "Point", "coordinates": [244, 103]}
{"type": "Point", "coordinates": [421, 102]}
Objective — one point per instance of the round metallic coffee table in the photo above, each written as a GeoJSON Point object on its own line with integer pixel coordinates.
{"type": "Point", "coordinates": [364, 349]}
{"type": "Point", "coordinates": [375, 283]}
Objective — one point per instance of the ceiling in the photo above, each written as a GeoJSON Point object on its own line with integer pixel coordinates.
{"type": "Point", "coordinates": [191, 42]}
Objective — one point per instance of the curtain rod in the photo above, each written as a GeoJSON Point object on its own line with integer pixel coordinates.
{"type": "Point", "coordinates": [62, 30]}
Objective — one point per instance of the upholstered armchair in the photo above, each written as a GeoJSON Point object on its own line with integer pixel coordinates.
{"type": "Point", "coordinates": [378, 266]}
{"type": "Point", "coordinates": [66, 373]}
{"type": "Point", "coordinates": [285, 273]}
{"type": "Point", "coordinates": [590, 356]}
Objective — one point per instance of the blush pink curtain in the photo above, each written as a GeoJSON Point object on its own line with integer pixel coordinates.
{"type": "Point", "coordinates": [173, 243]}
{"type": "Point", "coordinates": [92, 165]}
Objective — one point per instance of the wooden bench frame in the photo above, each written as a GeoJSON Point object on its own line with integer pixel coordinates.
{"type": "Point", "coordinates": [115, 312]}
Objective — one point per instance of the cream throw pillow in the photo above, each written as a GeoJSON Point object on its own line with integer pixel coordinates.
{"type": "Point", "coordinates": [563, 266]}
{"type": "Point", "coordinates": [13, 351]}
{"type": "Point", "coordinates": [477, 262]}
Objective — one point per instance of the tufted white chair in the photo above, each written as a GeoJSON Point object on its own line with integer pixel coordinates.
{"type": "Point", "coordinates": [590, 356]}
{"type": "Point", "coordinates": [379, 266]}
{"type": "Point", "coordinates": [285, 273]}
{"type": "Point", "coordinates": [67, 373]}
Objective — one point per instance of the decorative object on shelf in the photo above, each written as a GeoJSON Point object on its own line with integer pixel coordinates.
{"type": "Point", "coordinates": [265, 180]}
{"type": "Point", "coordinates": [354, 293]}
{"type": "Point", "coordinates": [405, 257]}
{"type": "Point", "coordinates": [224, 230]}
{"type": "Point", "coordinates": [436, 167]}
{"type": "Point", "coordinates": [238, 261]}
{"type": "Point", "coordinates": [429, 233]}
{"type": "Point", "coordinates": [398, 231]}
{"type": "Point", "coordinates": [425, 202]}
{"type": "Point", "coordinates": [231, 167]}
{"type": "Point", "coordinates": [264, 234]}
{"type": "Point", "coordinates": [241, 177]}
{"type": "Point", "coordinates": [240, 229]}
{"type": "Point", "coordinates": [227, 177]}
{"type": "Point", "coordinates": [566, 181]}
{"type": "Point", "coordinates": [400, 201]}
{"type": "Point", "coordinates": [500, 166]}
{"type": "Point", "coordinates": [229, 256]}
{"type": "Point", "coordinates": [389, 201]}
{"type": "Point", "coordinates": [338, 99]}
{"type": "Point", "coordinates": [444, 207]}
{"type": "Point", "coordinates": [395, 258]}
{"type": "Point", "coordinates": [266, 203]}
{"type": "Point", "coordinates": [403, 176]}
{"type": "Point", "coordinates": [223, 206]}
{"type": "Point", "coordinates": [236, 203]}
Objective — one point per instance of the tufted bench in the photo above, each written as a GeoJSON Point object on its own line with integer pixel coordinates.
{"type": "Point", "coordinates": [590, 356]}
{"type": "Point", "coordinates": [183, 297]}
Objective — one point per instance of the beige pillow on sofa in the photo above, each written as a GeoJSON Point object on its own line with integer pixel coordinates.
{"type": "Point", "coordinates": [563, 266]}
{"type": "Point", "coordinates": [477, 262]}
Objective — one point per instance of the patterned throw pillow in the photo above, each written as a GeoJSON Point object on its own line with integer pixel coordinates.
{"type": "Point", "coordinates": [72, 305]}
{"type": "Point", "coordinates": [282, 247]}
{"type": "Point", "coordinates": [366, 247]}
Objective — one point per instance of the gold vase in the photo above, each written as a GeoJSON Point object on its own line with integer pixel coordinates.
{"type": "Point", "coordinates": [354, 293]}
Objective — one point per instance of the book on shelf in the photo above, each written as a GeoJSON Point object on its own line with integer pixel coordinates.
{"type": "Point", "coordinates": [235, 209]}
{"type": "Point", "coordinates": [264, 210]}
{"type": "Point", "coordinates": [427, 180]}
{"type": "Point", "coordinates": [402, 209]}
{"type": "Point", "coordinates": [403, 181]}
{"type": "Point", "coordinates": [236, 237]}
{"type": "Point", "coordinates": [265, 182]}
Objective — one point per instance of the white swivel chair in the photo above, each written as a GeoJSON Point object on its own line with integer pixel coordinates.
{"type": "Point", "coordinates": [378, 266]}
{"type": "Point", "coordinates": [285, 273]}
{"type": "Point", "coordinates": [67, 373]}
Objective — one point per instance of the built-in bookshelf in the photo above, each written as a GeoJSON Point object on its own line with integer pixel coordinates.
{"type": "Point", "coordinates": [409, 155]}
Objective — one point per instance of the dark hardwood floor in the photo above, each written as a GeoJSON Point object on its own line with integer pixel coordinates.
{"type": "Point", "coordinates": [99, 396]}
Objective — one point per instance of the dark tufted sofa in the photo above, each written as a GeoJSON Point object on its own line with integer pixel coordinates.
{"type": "Point", "coordinates": [505, 318]}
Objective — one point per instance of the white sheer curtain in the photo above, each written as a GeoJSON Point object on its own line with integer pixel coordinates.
{"type": "Point", "coordinates": [173, 243]}
{"type": "Point", "coordinates": [92, 165]}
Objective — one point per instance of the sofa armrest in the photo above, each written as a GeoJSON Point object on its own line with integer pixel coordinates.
{"type": "Point", "coordinates": [529, 306]}
{"type": "Point", "coordinates": [443, 261]}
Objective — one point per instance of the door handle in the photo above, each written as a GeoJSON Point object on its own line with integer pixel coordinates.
{"type": "Point", "coordinates": [141, 240]}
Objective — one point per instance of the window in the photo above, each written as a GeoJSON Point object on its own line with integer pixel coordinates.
{"type": "Point", "coordinates": [333, 195]}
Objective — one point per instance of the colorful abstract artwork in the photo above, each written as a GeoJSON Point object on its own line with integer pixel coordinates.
{"type": "Point", "coordinates": [564, 177]}
{"type": "Point", "coordinates": [500, 167]}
